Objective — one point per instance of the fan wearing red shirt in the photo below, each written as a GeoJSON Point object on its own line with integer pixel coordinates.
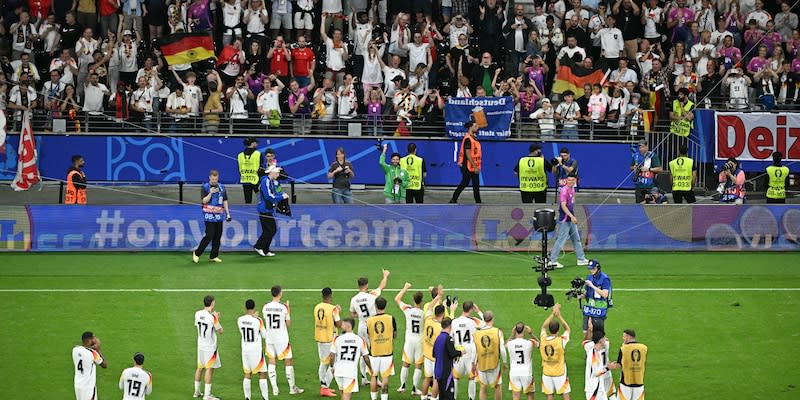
{"type": "Point", "coordinates": [279, 57]}
{"type": "Point", "coordinates": [302, 62]}
{"type": "Point", "coordinates": [108, 16]}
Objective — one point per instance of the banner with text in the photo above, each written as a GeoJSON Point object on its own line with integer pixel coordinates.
{"type": "Point", "coordinates": [401, 227]}
{"type": "Point", "coordinates": [755, 136]}
{"type": "Point", "coordinates": [494, 112]}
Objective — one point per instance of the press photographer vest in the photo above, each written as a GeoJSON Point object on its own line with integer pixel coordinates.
{"type": "Point", "coordinates": [532, 177]}
{"type": "Point", "coordinates": [681, 127]}
{"type": "Point", "coordinates": [681, 169]}
{"type": "Point", "coordinates": [413, 165]}
{"type": "Point", "coordinates": [644, 179]}
{"type": "Point", "coordinates": [595, 305]}
{"type": "Point", "coordinates": [248, 167]}
{"type": "Point", "coordinates": [776, 188]}
{"type": "Point", "coordinates": [214, 210]}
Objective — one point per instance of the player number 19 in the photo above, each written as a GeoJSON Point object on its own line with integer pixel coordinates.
{"type": "Point", "coordinates": [134, 387]}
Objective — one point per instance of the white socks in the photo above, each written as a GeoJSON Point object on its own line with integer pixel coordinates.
{"type": "Point", "coordinates": [323, 371]}
{"type": "Point", "coordinates": [273, 377]}
{"type": "Point", "coordinates": [373, 395]}
{"type": "Point", "coordinates": [363, 366]}
{"type": "Point", "coordinates": [290, 376]}
{"type": "Point", "coordinates": [471, 389]}
{"type": "Point", "coordinates": [197, 386]}
{"type": "Point", "coordinates": [384, 396]}
{"type": "Point", "coordinates": [208, 390]}
{"type": "Point", "coordinates": [417, 377]}
{"type": "Point", "coordinates": [403, 376]}
{"type": "Point", "coordinates": [262, 384]}
{"type": "Point", "coordinates": [246, 388]}
{"type": "Point", "coordinates": [455, 388]}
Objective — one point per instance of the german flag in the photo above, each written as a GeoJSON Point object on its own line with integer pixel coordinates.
{"type": "Point", "coordinates": [648, 120]}
{"type": "Point", "coordinates": [571, 76]}
{"type": "Point", "coordinates": [186, 48]}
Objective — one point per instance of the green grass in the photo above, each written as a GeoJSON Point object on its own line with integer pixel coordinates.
{"type": "Point", "coordinates": [703, 344]}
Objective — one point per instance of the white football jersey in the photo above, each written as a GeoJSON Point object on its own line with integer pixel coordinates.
{"type": "Point", "coordinates": [463, 330]}
{"type": "Point", "coordinates": [275, 317]}
{"type": "Point", "coordinates": [348, 350]}
{"type": "Point", "coordinates": [363, 304]}
{"type": "Point", "coordinates": [85, 360]}
{"type": "Point", "coordinates": [135, 383]}
{"type": "Point", "coordinates": [596, 363]}
{"type": "Point", "coordinates": [207, 325]}
{"type": "Point", "coordinates": [253, 333]}
{"type": "Point", "coordinates": [520, 357]}
{"type": "Point", "coordinates": [414, 319]}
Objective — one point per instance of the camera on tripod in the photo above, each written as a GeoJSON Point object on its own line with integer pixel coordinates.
{"type": "Point", "coordinates": [577, 288]}
{"type": "Point", "coordinates": [544, 222]}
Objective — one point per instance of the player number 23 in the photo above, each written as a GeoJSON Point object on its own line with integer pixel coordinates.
{"type": "Point", "coordinates": [348, 353]}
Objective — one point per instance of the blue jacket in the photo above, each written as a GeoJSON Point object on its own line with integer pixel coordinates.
{"type": "Point", "coordinates": [269, 194]}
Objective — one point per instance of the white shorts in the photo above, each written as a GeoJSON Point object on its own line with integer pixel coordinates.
{"type": "Point", "coordinates": [86, 392]}
{"type": "Point", "coordinates": [412, 352]}
{"type": "Point", "coordinates": [555, 384]}
{"type": "Point", "coordinates": [253, 362]}
{"type": "Point", "coordinates": [276, 20]}
{"type": "Point", "coordinates": [208, 359]}
{"type": "Point", "coordinates": [522, 384]}
{"type": "Point", "coordinates": [347, 385]}
{"type": "Point", "coordinates": [382, 366]}
{"type": "Point", "coordinates": [631, 392]}
{"type": "Point", "coordinates": [428, 367]}
{"type": "Point", "coordinates": [303, 22]}
{"type": "Point", "coordinates": [280, 349]}
{"type": "Point", "coordinates": [490, 378]}
{"type": "Point", "coordinates": [324, 350]}
{"type": "Point", "coordinates": [463, 367]}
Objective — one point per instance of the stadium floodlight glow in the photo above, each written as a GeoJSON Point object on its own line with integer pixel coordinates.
{"type": "Point", "coordinates": [544, 222]}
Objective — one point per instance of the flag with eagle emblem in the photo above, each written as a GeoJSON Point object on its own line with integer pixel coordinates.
{"type": "Point", "coordinates": [186, 48]}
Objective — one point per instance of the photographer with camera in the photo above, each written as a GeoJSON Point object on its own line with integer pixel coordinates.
{"type": "Point", "coordinates": [731, 183]}
{"type": "Point", "coordinates": [270, 197]}
{"type": "Point", "coordinates": [532, 177]}
{"type": "Point", "coordinates": [597, 295]}
{"type": "Point", "coordinates": [562, 166]}
{"type": "Point", "coordinates": [645, 164]}
{"type": "Point", "coordinates": [396, 178]}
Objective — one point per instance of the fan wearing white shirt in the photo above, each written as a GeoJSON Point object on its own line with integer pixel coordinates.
{"type": "Point", "coordinates": [516, 32]}
{"type": "Point", "coordinates": [759, 15]}
{"type": "Point", "coordinates": [348, 100]}
{"type": "Point", "coordinates": [48, 31]}
{"type": "Point", "coordinates": [418, 52]}
{"type": "Point", "coordinates": [457, 27]}
{"type": "Point", "coordinates": [623, 74]}
{"type": "Point", "coordinates": [570, 50]}
{"type": "Point", "coordinates": [702, 52]}
{"type": "Point", "coordinates": [390, 72]}
{"type": "Point", "coordinates": [93, 95]}
{"type": "Point", "coordinates": [611, 44]}
{"type": "Point", "coordinates": [176, 106]}
{"type": "Point", "coordinates": [237, 98]}
{"type": "Point", "coordinates": [335, 55]}
{"type": "Point", "coordinates": [52, 89]}
{"type": "Point", "coordinates": [268, 101]}
{"type": "Point", "coordinates": [66, 65]}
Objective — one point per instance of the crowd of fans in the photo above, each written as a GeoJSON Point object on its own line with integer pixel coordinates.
{"type": "Point", "coordinates": [373, 59]}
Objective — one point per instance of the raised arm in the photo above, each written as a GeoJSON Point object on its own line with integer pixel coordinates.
{"type": "Point", "coordinates": [399, 298]}
{"type": "Point", "coordinates": [382, 284]}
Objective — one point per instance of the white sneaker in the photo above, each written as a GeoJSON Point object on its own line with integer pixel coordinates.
{"type": "Point", "coordinates": [364, 381]}
{"type": "Point", "coordinates": [197, 394]}
{"type": "Point", "coordinates": [556, 265]}
{"type": "Point", "coordinates": [583, 262]}
{"type": "Point", "coordinates": [210, 397]}
{"type": "Point", "coordinates": [276, 392]}
{"type": "Point", "coordinates": [195, 259]}
{"type": "Point", "coordinates": [270, 254]}
{"type": "Point", "coordinates": [260, 252]}
{"type": "Point", "coordinates": [296, 390]}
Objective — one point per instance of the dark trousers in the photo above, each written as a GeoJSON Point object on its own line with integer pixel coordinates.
{"type": "Point", "coordinates": [530, 197]}
{"type": "Point", "coordinates": [415, 196]}
{"type": "Point", "coordinates": [268, 229]}
{"type": "Point", "coordinates": [249, 189]}
{"type": "Point", "coordinates": [678, 196]}
{"type": "Point", "coordinates": [213, 236]}
{"type": "Point", "coordinates": [446, 388]}
{"type": "Point", "coordinates": [776, 201]}
{"type": "Point", "coordinates": [466, 176]}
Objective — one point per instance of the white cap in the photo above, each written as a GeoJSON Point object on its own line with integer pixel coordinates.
{"type": "Point", "coordinates": [545, 100]}
{"type": "Point", "coordinates": [126, 32]}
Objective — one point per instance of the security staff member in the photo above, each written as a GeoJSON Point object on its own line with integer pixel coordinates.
{"type": "Point", "coordinates": [684, 175]}
{"type": "Point", "coordinates": [469, 160]}
{"type": "Point", "coordinates": [532, 177]}
{"type": "Point", "coordinates": [249, 162]}
{"type": "Point", "coordinates": [381, 331]}
{"type": "Point", "coordinates": [270, 194]}
{"type": "Point", "coordinates": [76, 182]}
{"type": "Point", "coordinates": [215, 205]}
{"type": "Point", "coordinates": [415, 166]}
{"type": "Point", "coordinates": [632, 359]}
{"type": "Point", "coordinates": [682, 114]}
{"type": "Point", "coordinates": [777, 173]}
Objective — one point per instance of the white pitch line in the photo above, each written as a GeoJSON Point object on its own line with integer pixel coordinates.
{"type": "Point", "coordinates": [531, 289]}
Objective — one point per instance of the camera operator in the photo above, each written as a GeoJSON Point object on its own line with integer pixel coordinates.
{"type": "Point", "coordinates": [654, 196]}
{"type": "Point", "coordinates": [731, 183]}
{"type": "Point", "coordinates": [532, 176]}
{"type": "Point", "coordinates": [598, 295]}
{"type": "Point", "coordinates": [645, 165]}
{"type": "Point", "coordinates": [396, 178]}
{"type": "Point", "coordinates": [562, 166]}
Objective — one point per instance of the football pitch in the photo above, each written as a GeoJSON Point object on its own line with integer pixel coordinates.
{"type": "Point", "coordinates": [718, 325]}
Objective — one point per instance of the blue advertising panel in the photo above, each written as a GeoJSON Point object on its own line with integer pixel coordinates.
{"type": "Point", "coordinates": [173, 159]}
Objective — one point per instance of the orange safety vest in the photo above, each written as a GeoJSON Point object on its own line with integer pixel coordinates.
{"type": "Point", "coordinates": [474, 153]}
{"type": "Point", "coordinates": [74, 195]}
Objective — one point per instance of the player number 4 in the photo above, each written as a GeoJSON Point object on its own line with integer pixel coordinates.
{"type": "Point", "coordinates": [80, 366]}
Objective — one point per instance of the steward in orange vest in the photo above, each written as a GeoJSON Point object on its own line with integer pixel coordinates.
{"type": "Point", "coordinates": [469, 159]}
{"type": "Point", "coordinates": [76, 182]}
